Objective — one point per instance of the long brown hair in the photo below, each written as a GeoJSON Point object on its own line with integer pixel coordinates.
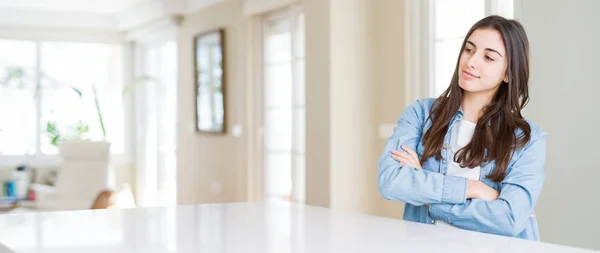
{"type": "Point", "coordinates": [495, 137]}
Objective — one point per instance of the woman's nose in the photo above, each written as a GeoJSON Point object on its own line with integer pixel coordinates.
{"type": "Point", "coordinates": [471, 62]}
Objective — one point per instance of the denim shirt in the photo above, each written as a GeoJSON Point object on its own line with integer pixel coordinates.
{"type": "Point", "coordinates": [512, 214]}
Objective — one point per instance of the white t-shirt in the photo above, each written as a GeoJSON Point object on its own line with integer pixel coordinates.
{"type": "Point", "coordinates": [461, 136]}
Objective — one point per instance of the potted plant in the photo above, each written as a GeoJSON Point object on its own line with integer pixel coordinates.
{"type": "Point", "coordinates": [17, 77]}
{"type": "Point", "coordinates": [73, 140]}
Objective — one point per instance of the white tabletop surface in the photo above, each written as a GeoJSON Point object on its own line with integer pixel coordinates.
{"type": "Point", "coordinates": [242, 227]}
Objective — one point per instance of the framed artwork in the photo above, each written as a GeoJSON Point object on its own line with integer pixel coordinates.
{"type": "Point", "coordinates": [209, 80]}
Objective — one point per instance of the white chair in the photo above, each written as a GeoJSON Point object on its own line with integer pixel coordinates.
{"type": "Point", "coordinates": [83, 174]}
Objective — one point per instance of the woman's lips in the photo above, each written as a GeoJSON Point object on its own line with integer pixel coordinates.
{"type": "Point", "coordinates": [469, 74]}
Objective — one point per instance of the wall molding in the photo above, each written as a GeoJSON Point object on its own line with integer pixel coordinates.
{"type": "Point", "coordinates": [56, 19]}
{"type": "Point", "coordinates": [156, 10]}
{"type": "Point", "coordinates": [167, 27]}
{"type": "Point", "coordinates": [138, 16]}
{"type": "Point", "coordinates": [254, 7]}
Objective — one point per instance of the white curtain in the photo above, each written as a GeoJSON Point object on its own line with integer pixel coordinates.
{"type": "Point", "coordinates": [155, 127]}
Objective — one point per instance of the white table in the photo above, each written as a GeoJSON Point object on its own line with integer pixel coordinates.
{"type": "Point", "coordinates": [242, 227]}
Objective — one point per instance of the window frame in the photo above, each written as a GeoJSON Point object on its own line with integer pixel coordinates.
{"type": "Point", "coordinates": [258, 188]}
{"type": "Point", "coordinates": [39, 36]}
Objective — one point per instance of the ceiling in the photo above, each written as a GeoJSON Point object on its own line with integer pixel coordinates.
{"type": "Point", "coordinates": [111, 15]}
{"type": "Point", "coordinates": [89, 6]}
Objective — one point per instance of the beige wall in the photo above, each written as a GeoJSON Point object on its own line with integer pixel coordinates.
{"type": "Point", "coordinates": [209, 166]}
{"type": "Point", "coordinates": [354, 83]}
{"type": "Point", "coordinates": [389, 79]}
{"type": "Point", "coordinates": [353, 108]}
{"type": "Point", "coordinates": [318, 144]}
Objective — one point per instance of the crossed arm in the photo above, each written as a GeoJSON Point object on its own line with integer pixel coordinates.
{"type": "Point", "coordinates": [475, 188]}
{"type": "Point", "coordinates": [466, 204]}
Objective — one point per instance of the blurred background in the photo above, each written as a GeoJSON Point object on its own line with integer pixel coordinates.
{"type": "Point", "coordinates": [173, 102]}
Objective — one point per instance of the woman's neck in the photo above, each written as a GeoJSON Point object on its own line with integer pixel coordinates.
{"type": "Point", "coordinates": [473, 104]}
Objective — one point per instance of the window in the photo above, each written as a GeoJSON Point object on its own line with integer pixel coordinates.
{"type": "Point", "coordinates": [54, 82]}
{"type": "Point", "coordinates": [451, 20]}
{"type": "Point", "coordinates": [17, 101]}
{"type": "Point", "coordinates": [284, 105]}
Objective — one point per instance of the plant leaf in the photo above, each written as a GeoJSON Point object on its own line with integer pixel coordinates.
{"type": "Point", "coordinates": [55, 140]}
{"type": "Point", "coordinates": [78, 91]}
{"type": "Point", "coordinates": [51, 128]}
{"type": "Point", "coordinates": [99, 111]}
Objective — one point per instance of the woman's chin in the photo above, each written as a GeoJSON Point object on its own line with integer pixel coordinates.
{"type": "Point", "coordinates": [464, 85]}
{"type": "Point", "coordinates": [467, 86]}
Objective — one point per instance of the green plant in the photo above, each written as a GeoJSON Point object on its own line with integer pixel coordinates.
{"type": "Point", "coordinates": [17, 77]}
{"type": "Point", "coordinates": [77, 131]}
{"type": "Point", "coordinates": [80, 130]}
{"type": "Point", "coordinates": [98, 111]}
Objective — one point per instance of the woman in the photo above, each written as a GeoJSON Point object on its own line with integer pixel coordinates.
{"type": "Point", "coordinates": [469, 158]}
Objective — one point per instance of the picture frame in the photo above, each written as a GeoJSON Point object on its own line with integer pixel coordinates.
{"type": "Point", "coordinates": [209, 82]}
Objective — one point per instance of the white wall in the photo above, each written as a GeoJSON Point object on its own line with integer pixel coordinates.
{"type": "Point", "coordinates": [564, 93]}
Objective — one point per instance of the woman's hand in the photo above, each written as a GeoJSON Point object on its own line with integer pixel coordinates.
{"type": "Point", "coordinates": [479, 190]}
{"type": "Point", "coordinates": [409, 157]}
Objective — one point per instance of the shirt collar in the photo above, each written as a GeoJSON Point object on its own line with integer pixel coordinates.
{"type": "Point", "coordinates": [460, 112]}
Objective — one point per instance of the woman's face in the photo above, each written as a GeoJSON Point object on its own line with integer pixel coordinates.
{"type": "Point", "coordinates": [483, 63]}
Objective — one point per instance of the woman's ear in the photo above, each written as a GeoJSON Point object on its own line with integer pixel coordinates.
{"type": "Point", "coordinates": [505, 79]}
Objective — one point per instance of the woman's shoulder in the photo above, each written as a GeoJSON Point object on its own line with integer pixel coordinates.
{"type": "Point", "coordinates": [422, 105]}
{"type": "Point", "coordinates": [535, 144]}
{"type": "Point", "coordinates": [418, 109]}
{"type": "Point", "coordinates": [426, 103]}
{"type": "Point", "coordinates": [536, 133]}
{"type": "Point", "coordinates": [536, 130]}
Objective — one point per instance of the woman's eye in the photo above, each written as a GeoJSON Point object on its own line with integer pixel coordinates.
{"type": "Point", "coordinates": [489, 58]}
{"type": "Point", "coordinates": [468, 50]}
